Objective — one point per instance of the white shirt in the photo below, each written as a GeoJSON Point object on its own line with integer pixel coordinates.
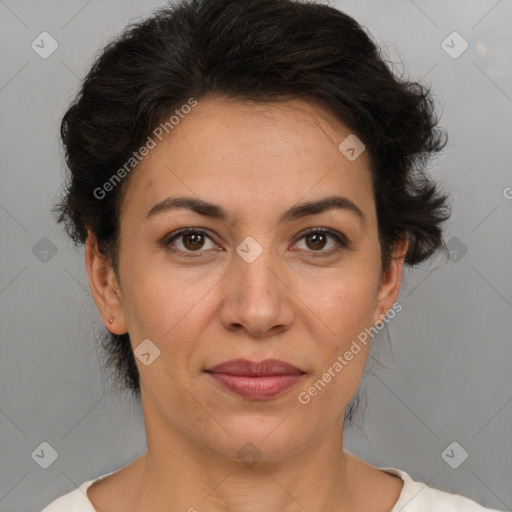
{"type": "Point", "coordinates": [415, 497]}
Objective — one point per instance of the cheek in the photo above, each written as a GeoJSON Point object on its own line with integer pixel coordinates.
{"type": "Point", "coordinates": [352, 308]}
{"type": "Point", "coordinates": [345, 310]}
{"type": "Point", "coordinates": [349, 316]}
{"type": "Point", "coordinates": [163, 305]}
{"type": "Point", "coordinates": [342, 303]}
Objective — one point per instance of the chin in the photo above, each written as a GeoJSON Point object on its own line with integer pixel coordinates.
{"type": "Point", "coordinates": [258, 439]}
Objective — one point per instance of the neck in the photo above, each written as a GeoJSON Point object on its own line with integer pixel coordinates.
{"type": "Point", "coordinates": [193, 478]}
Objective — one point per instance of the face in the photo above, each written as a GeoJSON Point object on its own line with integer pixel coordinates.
{"type": "Point", "coordinates": [251, 283]}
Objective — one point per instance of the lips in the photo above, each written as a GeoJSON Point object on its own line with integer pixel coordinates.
{"type": "Point", "coordinates": [256, 381]}
{"type": "Point", "coordinates": [243, 367]}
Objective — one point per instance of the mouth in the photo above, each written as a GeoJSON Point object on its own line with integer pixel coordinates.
{"type": "Point", "coordinates": [256, 381]}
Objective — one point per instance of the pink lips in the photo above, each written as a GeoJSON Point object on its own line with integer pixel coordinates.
{"type": "Point", "coordinates": [256, 381]}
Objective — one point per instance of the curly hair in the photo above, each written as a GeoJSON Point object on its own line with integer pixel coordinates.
{"type": "Point", "coordinates": [259, 50]}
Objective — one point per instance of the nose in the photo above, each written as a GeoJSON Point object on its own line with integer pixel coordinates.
{"type": "Point", "coordinates": [258, 298]}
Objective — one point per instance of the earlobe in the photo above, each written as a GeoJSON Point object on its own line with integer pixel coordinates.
{"type": "Point", "coordinates": [104, 287]}
{"type": "Point", "coordinates": [391, 281]}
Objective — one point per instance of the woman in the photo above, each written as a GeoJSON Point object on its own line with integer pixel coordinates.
{"type": "Point", "coordinates": [248, 180]}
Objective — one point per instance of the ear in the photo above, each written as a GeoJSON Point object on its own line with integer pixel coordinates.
{"type": "Point", "coordinates": [104, 287]}
{"type": "Point", "coordinates": [391, 281]}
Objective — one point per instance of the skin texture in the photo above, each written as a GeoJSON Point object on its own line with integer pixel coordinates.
{"type": "Point", "coordinates": [255, 161]}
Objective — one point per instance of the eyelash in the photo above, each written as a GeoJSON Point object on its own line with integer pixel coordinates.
{"type": "Point", "coordinates": [339, 237]}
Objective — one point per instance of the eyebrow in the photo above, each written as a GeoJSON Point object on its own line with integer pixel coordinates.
{"type": "Point", "coordinates": [297, 211]}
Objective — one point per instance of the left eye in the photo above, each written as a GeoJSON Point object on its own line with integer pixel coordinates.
{"type": "Point", "coordinates": [193, 240]}
{"type": "Point", "coordinates": [315, 239]}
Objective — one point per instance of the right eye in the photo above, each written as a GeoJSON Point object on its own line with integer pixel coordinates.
{"type": "Point", "coordinates": [190, 240]}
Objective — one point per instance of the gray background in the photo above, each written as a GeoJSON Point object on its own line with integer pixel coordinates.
{"type": "Point", "coordinates": [448, 377]}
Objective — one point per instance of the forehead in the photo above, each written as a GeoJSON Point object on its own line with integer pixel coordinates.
{"type": "Point", "coordinates": [257, 153]}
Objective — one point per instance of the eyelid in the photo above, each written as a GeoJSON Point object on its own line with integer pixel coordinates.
{"type": "Point", "coordinates": [338, 236]}
{"type": "Point", "coordinates": [166, 241]}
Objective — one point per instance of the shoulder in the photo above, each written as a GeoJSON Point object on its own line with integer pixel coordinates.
{"type": "Point", "coordinates": [419, 497]}
{"type": "Point", "coordinates": [74, 501]}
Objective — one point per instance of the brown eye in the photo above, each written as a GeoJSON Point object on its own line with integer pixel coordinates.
{"type": "Point", "coordinates": [190, 240]}
{"type": "Point", "coordinates": [193, 241]}
{"type": "Point", "coordinates": [317, 239]}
